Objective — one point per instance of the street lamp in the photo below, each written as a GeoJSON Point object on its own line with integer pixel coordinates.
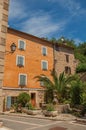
{"type": "Point", "coordinates": [12, 48]}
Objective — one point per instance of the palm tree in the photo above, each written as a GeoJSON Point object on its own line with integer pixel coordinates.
{"type": "Point", "coordinates": [58, 85]}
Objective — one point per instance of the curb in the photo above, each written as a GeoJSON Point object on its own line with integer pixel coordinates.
{"type": "Point", "coordinates": [39, 117]}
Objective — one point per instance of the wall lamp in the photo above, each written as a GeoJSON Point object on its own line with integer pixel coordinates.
{"type": "Point", "coordinates": [12, 48]}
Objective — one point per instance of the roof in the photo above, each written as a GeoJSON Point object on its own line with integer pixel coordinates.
{"type": "Point", "coordinates": [24, 34]}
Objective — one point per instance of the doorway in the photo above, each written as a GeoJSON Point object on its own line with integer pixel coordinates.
{"type": "Point", "coordinates": [33, 99]}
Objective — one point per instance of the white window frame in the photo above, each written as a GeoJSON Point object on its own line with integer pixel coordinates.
{"type": "Point", "coordinates": [23, 60]}
{"type": "Point", "coordinates": [42, 50]}
{"type": "Point", "coordinates": [41, 83]}
{"type": "Point", "coordinates": [42, 64]}
{"type": "Point", "coordinates": [19, 44]}
{"type": "Point", "coordinates": [19, 78]}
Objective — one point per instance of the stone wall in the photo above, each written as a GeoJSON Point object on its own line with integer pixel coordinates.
{"type": "Point", "coordinates": [4, 5]}
{"type": "Point", "coordinates": [60, 59]}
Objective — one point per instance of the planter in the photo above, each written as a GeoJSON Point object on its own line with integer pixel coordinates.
{"type": "Point", "coordinates": [32, 112]}
{"type": "Point", "coordinates": [50, 113]}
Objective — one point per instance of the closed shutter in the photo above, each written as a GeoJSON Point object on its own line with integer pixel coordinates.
{"type": "Point", "coordinates": [44, 65]}
{"type": "Point", "coordinates": [44, 51]}
{"type": "Point", "coordinates": [22, 80]}
{"type": "Point", "coordinates": [21, 45]}
{"type": "Point", "coordinates": [20, 61]}
{"type": "Point", "coordinates": [41, 83]}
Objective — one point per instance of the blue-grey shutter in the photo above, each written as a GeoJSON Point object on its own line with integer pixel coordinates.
{"type": "Point", "coordinates": [41, 83]}
{"type": "Point", "coordinates": [44, 51]}
{"type": "Point", "coordinates": [22, 80]}
{"type": "Point", "coordinates": [8, 102]}
{"type": "Point", "coordinates": [21, 45]}
{"type": "Point", "coordinates": [20, 61]}
{"type": "Point", "coordinates": [44, 65]}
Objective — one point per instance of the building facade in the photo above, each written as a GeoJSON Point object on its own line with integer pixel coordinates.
{"type": "Point", "coordinates": [33, 56]}
{"type": "Point", "coordinates": [64, 59]}
{"type": "Point", "coordinates": [4, 5]}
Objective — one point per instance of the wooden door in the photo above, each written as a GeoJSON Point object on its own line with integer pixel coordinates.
{"type": "Point", "coordinates": [33, 99]}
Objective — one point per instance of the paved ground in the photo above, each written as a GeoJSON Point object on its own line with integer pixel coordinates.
{"type": "Point", "coordinates": [27, 123]}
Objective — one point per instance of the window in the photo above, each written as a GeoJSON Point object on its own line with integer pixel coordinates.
{"type": "Point", "coordinates": [21, 45]}
{"type": "Point", "coordinates": [67, 58]}
{"type": "Point", "coordinates": [13, 100]}
{"type": "Point", "coordinates": [20, 61]}
{"type": "Point", "coordinates": [41, 83]}
{"type": "Point", "coordinates": [44, 65]}
{"type": "Point", "coordinates": [67, 70]}
{"type": "Point", "coordinates": [44, 51]}
{"type": "Point", "coordinates": [22, 79]}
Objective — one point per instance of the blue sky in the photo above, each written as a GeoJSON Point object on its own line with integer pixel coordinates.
{"type": "Point", "coordinates": [50, 18]}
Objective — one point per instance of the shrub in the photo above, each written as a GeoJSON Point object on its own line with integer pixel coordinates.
{"type": "Point", "coordinates": [31, 107]}
{"type": "Point", "coordinates": [81, 67]}
{"type": "Point", "coordinates": [50, 107]}
{"type": "Point", "coordinates": [23, 99]}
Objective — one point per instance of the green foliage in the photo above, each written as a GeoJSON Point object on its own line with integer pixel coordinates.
{"type": "Point", "coordinates": [67, 41]}
{"type": "Point", "coordinates": [76, 92]}
{"type": "Point", "coordinates": [59, 84]}
{"type": "Point", "coordinates": [23, 99]}
{"type": "Point", "coordinates": [48, 96]}
{"type": "Point", "coordinates": [31, 107]}
{"type": "Point", "coordinates": [82, 48]}
{"type": "Point", "coordinates": [50, 107]}
{"type": "Point", "coordinates": [81, 67]}
{"type": "Point", "coordinates": [80, 54]}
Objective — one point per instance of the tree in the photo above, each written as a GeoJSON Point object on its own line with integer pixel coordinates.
{"type": "Point", "coordinates": [59, 84]}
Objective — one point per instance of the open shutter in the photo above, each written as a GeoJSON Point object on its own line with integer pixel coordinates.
{"type": "Point", "coordinates": [8, 102]}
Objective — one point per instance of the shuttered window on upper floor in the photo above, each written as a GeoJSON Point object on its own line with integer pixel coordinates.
{"type": "Point", "coordinates": [44, 51]}
{"type": "Point", "coordinates": [21, 45]}
{"type": "Point", "coordinates": [44, 65]}
{"type": "Point", "coordinates": [20, 60]}
{"type": "Point", "coordinates": [22, 79]}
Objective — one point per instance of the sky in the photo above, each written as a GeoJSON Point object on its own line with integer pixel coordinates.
{"type": "Point", "coordinates": [50, 18]}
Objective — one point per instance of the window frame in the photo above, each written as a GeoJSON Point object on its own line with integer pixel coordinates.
{"type": "Point", "coordinates": [42, 64]}
{"type": "Point", "coordinates": [23, 60]}
{"type": "Point", "coordinates": [41, 83]}
{"type": "Point", "coordinates": [22, 49]}
{"type": "Point", "coordinates": [68, 70]}
{"type": "Point", "coordinates": [42, 50]}
{"type": "Point", "coordinates": [19, 79]}
{"type": "Point", "coordinates": [67, 58]}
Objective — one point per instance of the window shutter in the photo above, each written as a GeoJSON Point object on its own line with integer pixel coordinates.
{"type": "Point", "coordinates": [22, 80]}
{"type": "Point", "coordinates": [20, 61]}
{"type": "Point", "coordinates": [44, 65]}
{"type": "Point", "coordinates": [8, 102]}
{"type": "Point", "coordinates": [41, 83]}
{"type": "Point", "coordinates": [21, 45]}
{"type": "Point", "coordinates": [44, 51]}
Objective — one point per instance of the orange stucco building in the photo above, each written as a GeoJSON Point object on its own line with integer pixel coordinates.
{"type": "Point", "coordinates": [33, 56]}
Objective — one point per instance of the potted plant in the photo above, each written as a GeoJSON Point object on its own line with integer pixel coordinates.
{"type": "Point", "coordinates": [32, 110]}
{"type": "Point", "coordinates": [50, 111]}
